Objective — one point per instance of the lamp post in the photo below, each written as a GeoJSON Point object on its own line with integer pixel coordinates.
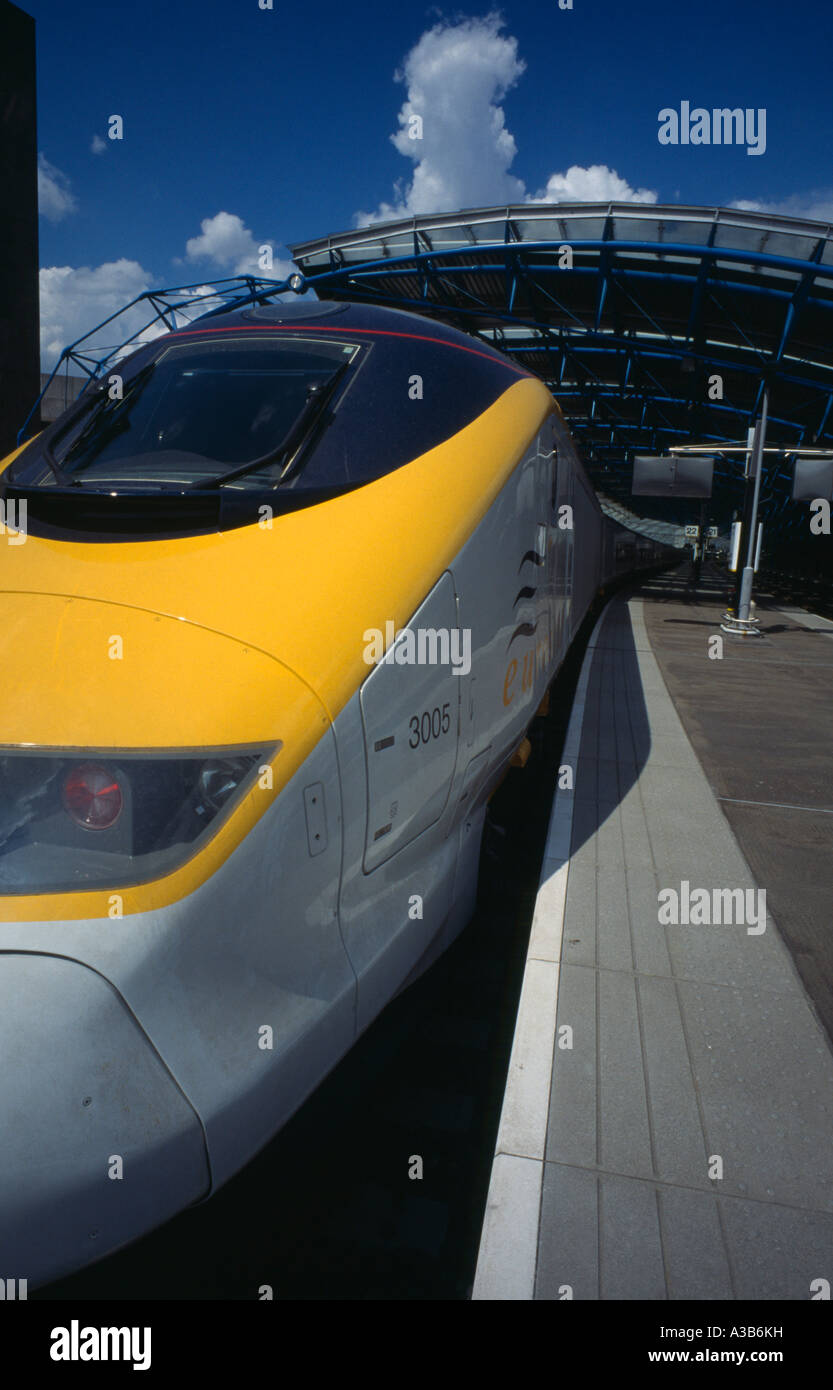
{"type": "Point", "coordinates": [742, 625]}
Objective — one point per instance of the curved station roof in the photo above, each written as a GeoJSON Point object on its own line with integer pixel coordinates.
{"type": "Point", "coordinates": [628, 311]}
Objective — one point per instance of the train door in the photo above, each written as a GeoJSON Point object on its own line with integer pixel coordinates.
{"type": "Point", "coordinates": [396, 893]}
{"type": "Point", "coordinates": [411, 714]}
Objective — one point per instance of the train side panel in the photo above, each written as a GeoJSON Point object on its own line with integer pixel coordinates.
{"type": "Point", "coordinates": [449, 729]}
{"type": "Point", "coordinates": [522, 585]}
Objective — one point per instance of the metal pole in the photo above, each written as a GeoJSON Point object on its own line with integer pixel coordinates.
{"type": "Point", "coordinates": [757, 468]}
{"type": "Point", "coordinates": [745, 512]}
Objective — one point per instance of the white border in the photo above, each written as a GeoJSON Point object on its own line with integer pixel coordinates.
{"type": "Point", "coordinates": [508, 1252]}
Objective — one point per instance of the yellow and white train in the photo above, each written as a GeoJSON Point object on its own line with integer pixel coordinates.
{"type": "Point", "coordinates": [280, 599]}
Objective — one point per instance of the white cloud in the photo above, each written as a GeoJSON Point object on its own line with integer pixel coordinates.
{"type": "Point", "coordinates": [596, 184]}
{"type": "Point", "coordinates": [456, 77]}
{"type": "Point", "coordinates": [207, 298]}
{"type": "Point", "coordinates": [98, 145]}
{"type": "Point", "coordinates": [73, 299]}
{"type": "Point", "coordinates": [55, 198]}
{"type": "Point", "coordinates": [816, 205]}
{"type": "Point", "coordinates": [225, 240]}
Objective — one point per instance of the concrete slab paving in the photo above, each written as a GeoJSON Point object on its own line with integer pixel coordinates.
{"type": "Point", "coordinates": [685, 1077]}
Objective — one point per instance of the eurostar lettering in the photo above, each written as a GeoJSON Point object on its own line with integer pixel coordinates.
{"type": "Point", "coordinates": [533, 660]}
{"type": "Point", "coordinates": [721, 126]}
{"type": "Point", "coordinates": [76, 1343]}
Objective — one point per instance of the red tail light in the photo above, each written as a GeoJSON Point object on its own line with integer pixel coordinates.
{"type": "Point", "coordinates": [92, 796]}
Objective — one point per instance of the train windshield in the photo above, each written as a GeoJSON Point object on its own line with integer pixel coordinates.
{"type": "Point", "coordinates": [203, 413]}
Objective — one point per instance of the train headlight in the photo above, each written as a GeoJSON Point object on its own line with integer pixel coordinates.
{"type": "Point", "coordinates": [113, 819]}
{"type": "Point", "coordinates": [92, 796]}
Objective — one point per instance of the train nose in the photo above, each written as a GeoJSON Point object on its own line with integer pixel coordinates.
{"type": "Point", "coordinates": [97, 1142]}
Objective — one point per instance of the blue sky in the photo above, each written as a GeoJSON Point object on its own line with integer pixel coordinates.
{"type": "Point", "coordinates": [234, 110]}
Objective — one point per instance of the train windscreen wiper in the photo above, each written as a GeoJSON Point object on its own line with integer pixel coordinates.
{"type": "Point", "coordinates": [84, 402]}
{"type": "Point", "coordinates": [95, 402]}
{"type": "Point", "coordinates": [60, 476]}
{"type": "Point", "coordinates": [319, 394]}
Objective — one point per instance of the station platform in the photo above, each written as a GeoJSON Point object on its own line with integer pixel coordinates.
{"type": "Point", "coordinates": [667, 1124]}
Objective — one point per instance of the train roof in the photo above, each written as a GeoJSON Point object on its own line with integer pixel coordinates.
{"type": "Point", "coordinates": [333, 316]}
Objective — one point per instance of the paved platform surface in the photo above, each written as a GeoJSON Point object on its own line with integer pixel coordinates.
{"type": "Point", "coordinates": [667, 1127]}
{"type": "Point", "coordinates": [761, 723]}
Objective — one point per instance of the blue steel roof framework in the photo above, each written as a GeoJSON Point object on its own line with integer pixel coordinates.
{"type": "Point", "coordinates": [658, 299]}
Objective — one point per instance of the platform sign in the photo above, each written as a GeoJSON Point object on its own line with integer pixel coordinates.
{"type": "Point", "coordinates": [813, 477]}
{"type": "Point", "coordinates": [711, 531]}
{"type": "Point", "coordinates": [670, 476]}
{"type": "Point", "coordinates": [692, 531]}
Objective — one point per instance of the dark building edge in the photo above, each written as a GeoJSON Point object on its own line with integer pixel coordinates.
{"type": "Point", "coordinates": [19, 297]}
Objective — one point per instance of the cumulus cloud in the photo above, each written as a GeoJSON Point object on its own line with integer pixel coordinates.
{"type": "Point", "coordinates": [596, 184]}
{"type": "Point", "coordinates": [55, 197]}
{"type": "Point", "coordinates": [456, 77]}
{"type": "Point", "coordinates": [98, 145]}
{"type": "Point", "coordinates": [228, 242]}
{"type": "Point", "coordinates": [73, 299]}
{"type": "Point", "coordinates": [816, 205]}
